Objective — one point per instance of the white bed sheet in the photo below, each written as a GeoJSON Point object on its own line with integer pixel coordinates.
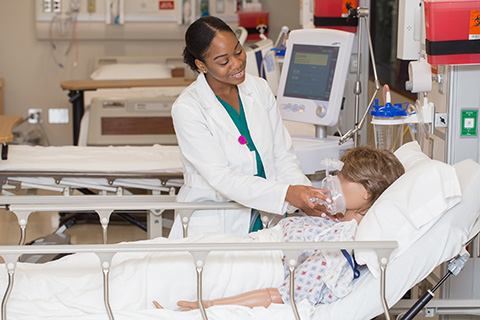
{"type": "Point", "coordinates": [156, 158]}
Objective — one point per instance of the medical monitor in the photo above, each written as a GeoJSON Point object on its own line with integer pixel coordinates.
{"type": "Point", "coordinates": [313, 76]}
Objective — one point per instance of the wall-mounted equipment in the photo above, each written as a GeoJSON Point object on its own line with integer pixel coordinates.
{"type": "Point", "coordinates": [124, 20]}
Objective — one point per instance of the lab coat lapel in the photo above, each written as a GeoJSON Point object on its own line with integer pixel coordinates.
{"type": "Point", "coordinates": [256, 125]}
{"type": "Point", "coordinates": [249, 109]}
{"type": "Point", "coordinates": [214, 108]}
{"type": "Point", "coordinates": [251, 114]}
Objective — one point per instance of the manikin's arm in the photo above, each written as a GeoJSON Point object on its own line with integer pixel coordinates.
{"type": "Point", "coordinates": [256, 298]}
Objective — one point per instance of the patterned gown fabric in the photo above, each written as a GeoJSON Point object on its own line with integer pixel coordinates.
{"type": "Point", "coordinates": [321, 276]}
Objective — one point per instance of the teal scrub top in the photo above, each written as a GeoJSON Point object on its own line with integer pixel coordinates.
{"type": "Point", "coordinates": [242, 126]}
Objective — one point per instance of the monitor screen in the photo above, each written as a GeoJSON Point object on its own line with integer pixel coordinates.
{"type": "Point", "coordinates": [311, 72]}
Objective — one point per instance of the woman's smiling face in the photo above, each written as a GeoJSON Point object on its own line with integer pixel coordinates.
{"type": "Point", "coordinates": [225, 60]}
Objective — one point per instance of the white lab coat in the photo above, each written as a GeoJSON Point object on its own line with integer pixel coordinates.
{"type": "Point", "coordinates": [218, 168]}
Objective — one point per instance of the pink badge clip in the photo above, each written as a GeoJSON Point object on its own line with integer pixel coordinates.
{"type": "Point", "coordinates": [242, 140]}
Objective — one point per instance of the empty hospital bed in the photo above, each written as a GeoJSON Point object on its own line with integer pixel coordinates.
{"type": "Point", "coordinates": [110, 171]}
{"type": "Point", "coordinates": [446, 214]}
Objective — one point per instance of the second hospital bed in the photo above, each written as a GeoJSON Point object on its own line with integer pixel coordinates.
{"type": "Point", "coordinates": [445, 215]}
{"type": "Point", "coordinates": [109, 172]}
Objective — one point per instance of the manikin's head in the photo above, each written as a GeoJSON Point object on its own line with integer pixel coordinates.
{"type": "Point", "coordinates": [366, 173]}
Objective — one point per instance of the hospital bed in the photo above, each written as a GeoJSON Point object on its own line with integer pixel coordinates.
{"type": "Point", "coordinates": [154, 170]}
{"type": "Point", "coordinates": [417, 248]}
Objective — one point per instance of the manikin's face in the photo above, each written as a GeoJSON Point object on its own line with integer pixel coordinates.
{"type": "Point", "coordinates": [225, 61]}
{"type": "Point", "coordinates": [356, 199]}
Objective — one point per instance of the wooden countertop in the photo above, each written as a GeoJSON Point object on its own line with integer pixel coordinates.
{"type": "Point", "coordinates": [109, 84]}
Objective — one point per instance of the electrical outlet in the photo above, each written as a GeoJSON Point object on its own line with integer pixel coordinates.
{"type": "Point", "coordinates": [47, 6]}
{"type": "Point", "coordinates": [58, 115]}
{"type": "Point", "coordinates": [440, 120]}
{"type": "Point", "coordinates": [57, 6]}
{"type": "Point", "coordinates": [35, 115]}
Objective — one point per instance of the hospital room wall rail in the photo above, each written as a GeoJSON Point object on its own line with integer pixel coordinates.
{"type": "Point", "coordinates": [199, 251]}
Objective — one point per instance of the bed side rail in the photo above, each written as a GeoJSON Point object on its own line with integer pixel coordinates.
{"type": "Point", "coordinates": [199, 251]}
{"type": "Point", "coordinates": [105, 205]}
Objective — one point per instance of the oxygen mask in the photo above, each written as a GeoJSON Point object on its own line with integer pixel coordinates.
{"type": "Point", "coordinates": [333, 187]}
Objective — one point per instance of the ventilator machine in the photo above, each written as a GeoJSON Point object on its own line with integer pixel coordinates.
{"type": "Point", "coordinates": [311, 90]}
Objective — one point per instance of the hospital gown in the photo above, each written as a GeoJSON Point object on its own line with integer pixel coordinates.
{"type": "Point", "coordinates": [321, 276]}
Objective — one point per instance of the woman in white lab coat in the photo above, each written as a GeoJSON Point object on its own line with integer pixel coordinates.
{"type": "Point", "coordinates": [233, 144]}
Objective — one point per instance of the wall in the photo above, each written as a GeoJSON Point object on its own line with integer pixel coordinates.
{"type": "Point", "coordinates": [32, 79]}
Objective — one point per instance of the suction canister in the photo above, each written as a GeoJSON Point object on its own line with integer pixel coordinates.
{"type": "Point", "coordinates": [388, 122]}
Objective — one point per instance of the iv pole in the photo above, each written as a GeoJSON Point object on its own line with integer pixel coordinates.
{"type": "Point", "coordinates": [360, 12]}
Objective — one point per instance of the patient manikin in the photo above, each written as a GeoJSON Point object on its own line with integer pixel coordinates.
{"type": "Point", "coordinates": [324, 277]}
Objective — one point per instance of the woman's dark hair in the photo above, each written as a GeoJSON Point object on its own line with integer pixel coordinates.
{"type": "Point", "coordinates": [198, 37]}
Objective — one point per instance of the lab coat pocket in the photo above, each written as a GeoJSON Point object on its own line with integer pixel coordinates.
{"type": "Point", "coordinates": [243, 160]}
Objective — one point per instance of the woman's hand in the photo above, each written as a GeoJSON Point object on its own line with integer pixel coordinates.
{"type": "Point", "coordinates": [303, 197]}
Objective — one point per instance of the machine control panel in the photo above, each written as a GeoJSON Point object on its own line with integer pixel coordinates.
{"type": "Point", "coordinates": [293, 107]}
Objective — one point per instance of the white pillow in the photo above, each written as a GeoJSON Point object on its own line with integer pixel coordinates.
{"type": "Point", "coordinates": [409, 207]}
{"type": "Point", "coordinates": [129, 71]}
{"type": "Point", "coordinates": [410, 154]}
